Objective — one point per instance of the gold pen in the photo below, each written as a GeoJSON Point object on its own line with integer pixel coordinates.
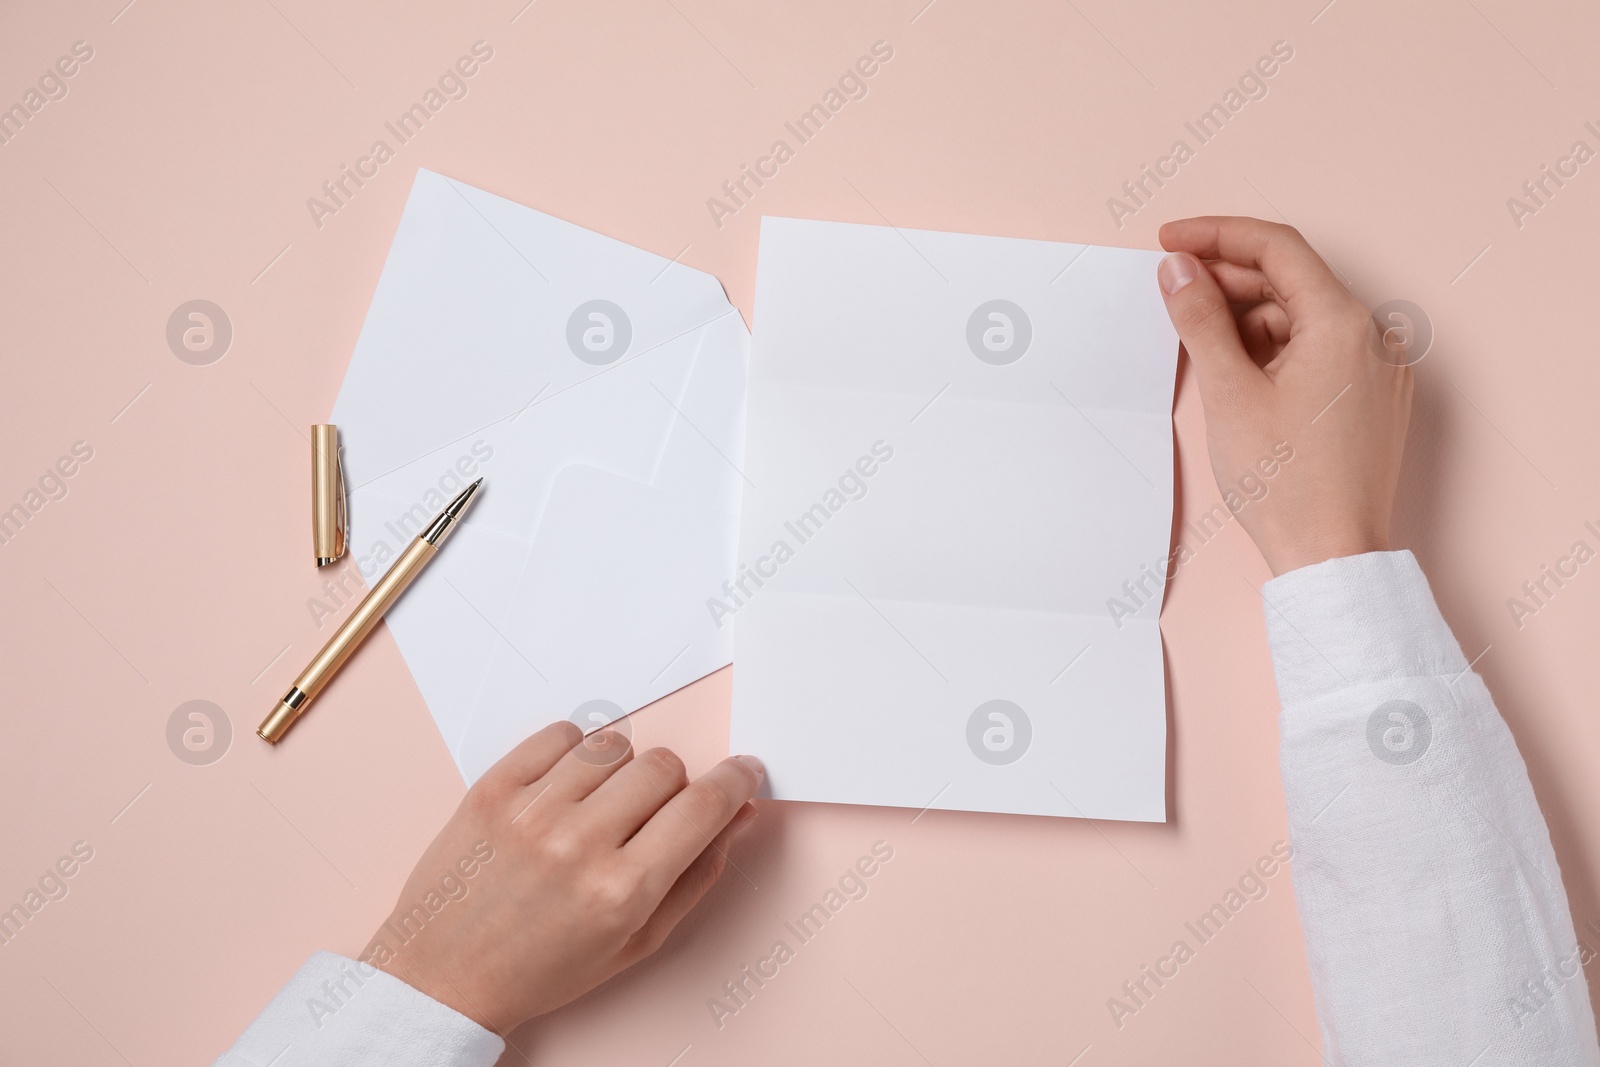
{"type": "Point", "coordinates": [372, 608]}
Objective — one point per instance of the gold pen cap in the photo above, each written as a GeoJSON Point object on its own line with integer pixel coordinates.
{"type": "Point", "coordinates": [327, 495]}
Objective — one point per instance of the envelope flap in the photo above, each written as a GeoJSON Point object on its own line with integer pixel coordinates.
{"type": "Point", "coordinates": [482, 305]}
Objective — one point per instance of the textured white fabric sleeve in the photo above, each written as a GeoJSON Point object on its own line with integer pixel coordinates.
{"type": "Point", "coordinates": [336, 1012]}
{"type": "Point", "coordinates": [1436, 925]}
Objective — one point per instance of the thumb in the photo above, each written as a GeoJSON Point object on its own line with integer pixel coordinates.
{"type": "Point", "coordinates": [1200, 313]}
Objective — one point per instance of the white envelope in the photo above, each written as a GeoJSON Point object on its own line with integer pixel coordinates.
{"type": "Point", "coordinates": [599, 391]}
{"type": "Point", "coordinates": [959, 448]}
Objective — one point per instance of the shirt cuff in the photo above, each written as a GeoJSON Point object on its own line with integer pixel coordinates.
{"type": "Point", "coordinates": [1355, 620]}
{"type": "Point", "coordinates": [337, 1011]}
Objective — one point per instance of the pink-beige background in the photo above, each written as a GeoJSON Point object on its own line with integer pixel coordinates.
{"type": "Point", "coordinates": [176, 568]}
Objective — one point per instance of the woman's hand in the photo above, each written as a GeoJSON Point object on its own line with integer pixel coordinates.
{"type": "Point", "coordinates": [567, 862]}
{"type": "Point", "coordinates": [1287, 357]}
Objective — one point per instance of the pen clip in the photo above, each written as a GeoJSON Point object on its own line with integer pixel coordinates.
{"type": "Point", "coordinates": [341, 520]}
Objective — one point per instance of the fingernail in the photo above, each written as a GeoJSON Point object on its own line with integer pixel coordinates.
{"type": "Point", "coordinates": [754, 764]}
{"type": "Point", "coordinates": [1177, 271]}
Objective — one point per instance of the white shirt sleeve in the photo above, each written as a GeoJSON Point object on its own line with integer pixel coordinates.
{"type": "Point", "coordinates": [336, 1012]}
{"type": "Point", "coordinates": [1436, 924]}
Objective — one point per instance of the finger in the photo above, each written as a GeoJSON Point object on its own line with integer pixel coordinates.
{"type": "Point", "coordinates": [1264, 328]}
{"type": "Point", "coordinates": [1241, 285]}
{"type": "Point", "coordinates": [1289, 263]}
{"type": "Point", "coordinates": [687, 823]}
{"type": "Point", "coordinates": [534, 757]}
{"type": "Point", "coordinates": [1204, 322]}
{"type": "Point", "coordinates": [690, 887]}
{"type": "Point", "coordinates": [580, 771]}
{"type": "Point", "coordinates": [626, 801]}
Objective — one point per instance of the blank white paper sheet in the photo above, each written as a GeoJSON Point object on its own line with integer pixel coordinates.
{"type": "Point", "coordinates": [958, 460]}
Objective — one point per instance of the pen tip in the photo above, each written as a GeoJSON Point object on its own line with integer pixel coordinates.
{"type": "Point", "coordinates": [462, 500]}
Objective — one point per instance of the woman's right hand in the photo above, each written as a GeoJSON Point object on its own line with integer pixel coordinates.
{"type": "Point", "coordinates": [1287, 357]}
